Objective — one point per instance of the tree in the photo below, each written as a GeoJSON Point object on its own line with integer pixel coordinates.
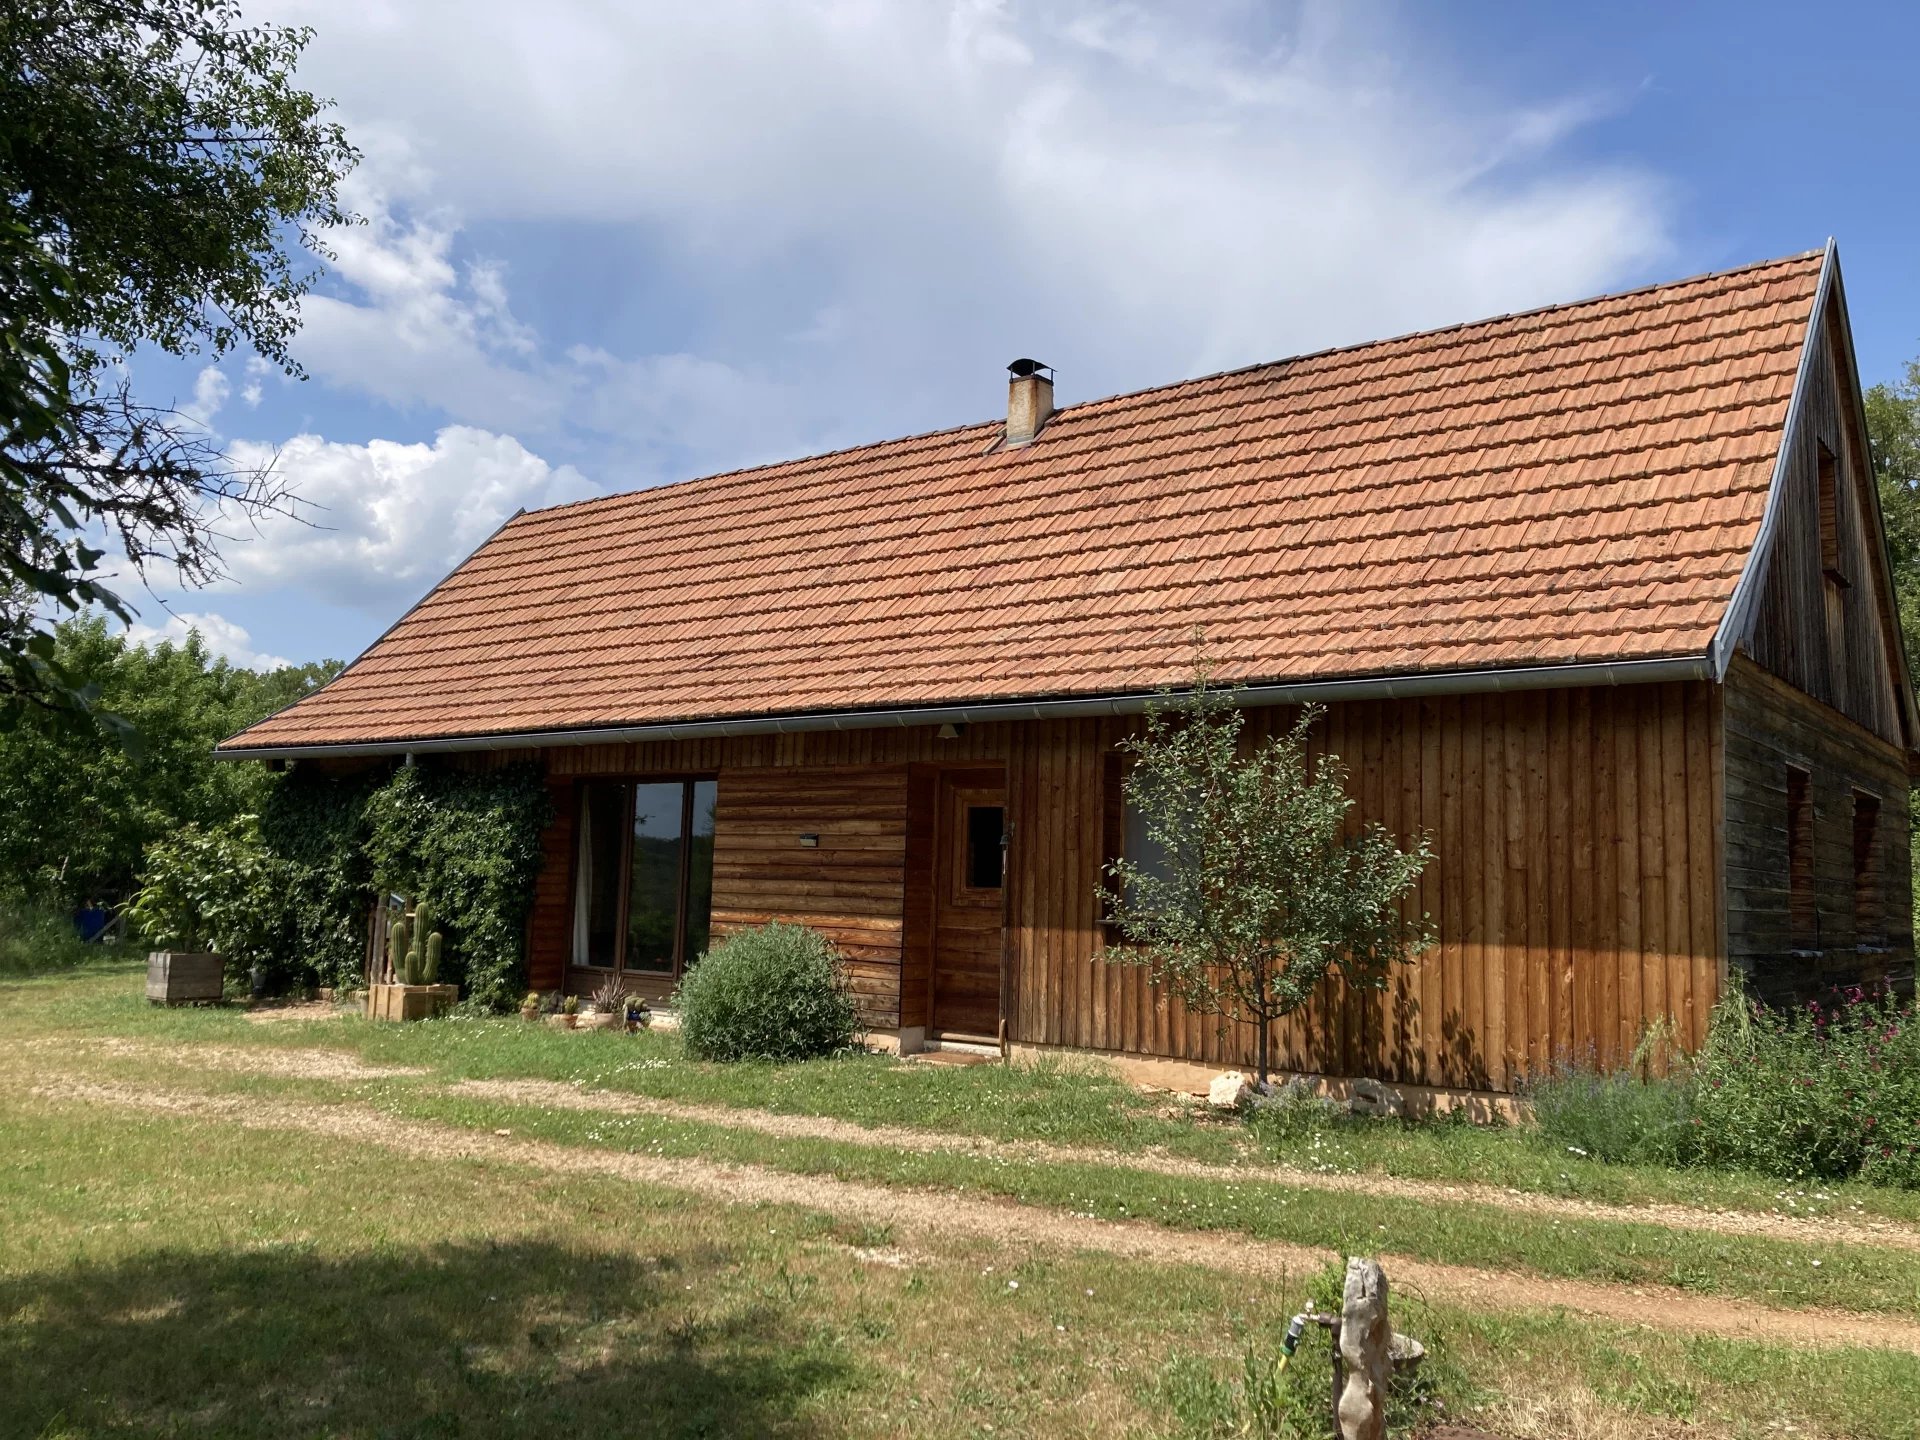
{"type": "Point", "coordinates": [78, 809]}
{"type": "Point", "coordinates": [160, 175]}
{"type": "Point", "coordinates": [1893, 431]}
{"type": "Point", "coordinates": [1263, 889]}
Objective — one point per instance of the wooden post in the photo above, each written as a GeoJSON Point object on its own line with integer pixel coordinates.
{"type": "Point", "coordinates": [1364, 1343]}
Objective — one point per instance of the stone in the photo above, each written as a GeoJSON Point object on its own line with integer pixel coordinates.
{"type": "Point", "coordinates": [1366, 1341]}
{"type": "Point", "coordinates": [1229, 1091]}
{"type": "Point", "coordinates": [1370, 1097]}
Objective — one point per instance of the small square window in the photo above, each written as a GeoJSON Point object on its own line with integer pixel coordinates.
{"type": "Point", "coordinates": [986, 828]}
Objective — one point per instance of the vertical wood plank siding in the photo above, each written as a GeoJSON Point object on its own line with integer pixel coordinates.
{"type": "Point", "coordinates": [1574, 891]}
{"type": "Point", "coordinates": [550, 921]}
{"type": "Point", "coordinates": [1829, 640]}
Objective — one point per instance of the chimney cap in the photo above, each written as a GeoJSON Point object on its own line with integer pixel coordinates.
{"type": "Point", "coordinates": [1022, 368]}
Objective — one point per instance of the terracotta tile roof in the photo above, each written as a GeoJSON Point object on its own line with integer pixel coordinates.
{"type": "Point", "coordinates": [1580, 483]}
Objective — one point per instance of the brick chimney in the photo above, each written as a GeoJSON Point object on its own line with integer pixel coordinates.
{"type": "Point", "coordinates": [1029, 400]}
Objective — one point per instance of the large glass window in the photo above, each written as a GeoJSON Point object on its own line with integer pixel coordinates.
{"type": "Point", "coordinates": [643, 877]}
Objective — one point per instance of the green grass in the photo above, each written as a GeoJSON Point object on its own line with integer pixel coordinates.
{"type": "Point", "coordinates": [1069, 1103]}
{"type": "Point", "coordinates": [162, 1276]}
{"type": "Point", "coordinates": [1777, 1272]}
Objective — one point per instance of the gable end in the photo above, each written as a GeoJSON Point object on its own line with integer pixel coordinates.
{"type": "Point", "coordinates": [1816, 606]}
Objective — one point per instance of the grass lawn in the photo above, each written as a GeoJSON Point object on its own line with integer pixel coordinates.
{"type": "Point", "coordinates": [170, 1274]}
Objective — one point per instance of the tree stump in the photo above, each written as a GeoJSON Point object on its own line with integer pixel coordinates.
{"type": "Point", "coordinates": [1366, 1338]}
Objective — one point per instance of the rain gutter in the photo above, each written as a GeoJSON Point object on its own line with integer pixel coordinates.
{"type": "Point", "coordinates": [1383, 687]}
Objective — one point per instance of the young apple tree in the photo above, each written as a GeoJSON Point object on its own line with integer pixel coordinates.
{"type": "Point", "coordinates": [1261, 889]}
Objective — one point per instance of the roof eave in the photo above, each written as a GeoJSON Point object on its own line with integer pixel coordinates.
{"type": "Point", "coordinates": [1373, 687]}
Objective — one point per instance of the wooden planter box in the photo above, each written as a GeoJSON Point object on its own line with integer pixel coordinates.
{"type": "Point", "coordinates": [410, 1002]}
{"type": "Point", "coordinates": [183, 977]}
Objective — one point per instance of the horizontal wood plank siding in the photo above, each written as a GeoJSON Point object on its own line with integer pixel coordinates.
{"type": "Point", "coordinates": [850, 885]}
{"type": "Point", "coordinates": [1769, 727]}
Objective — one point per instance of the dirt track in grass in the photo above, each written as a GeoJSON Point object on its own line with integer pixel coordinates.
{"type": "Point", "coordinates": [932, 1216]}
{"type": "Point", "coordinates": [1809, 1229]}
{"type": "Point", "coordinates": [324, 1064]}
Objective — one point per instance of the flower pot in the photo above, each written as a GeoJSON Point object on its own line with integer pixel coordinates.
{"type": "Point", "coordinates": [410, 1002]}
{"type": "Point", "coordinates": [529, 1012]}
{"type": "Point", "coordinates": [602, 1020]}
{"type": "Point", "coordinates": [560, 1022]}
{"type": "Point", "coordinates": [184, 977]}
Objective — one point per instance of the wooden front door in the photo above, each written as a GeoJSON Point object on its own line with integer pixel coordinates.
{"type": "Point", "coordinates": [969, 877]}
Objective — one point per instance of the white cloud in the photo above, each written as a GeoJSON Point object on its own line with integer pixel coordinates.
{"type": "Point", "coordinates": [1133, 194]}
{"type": "Point", "coordinates": [220, 635]}
{"type": "Point", "coordinates": [844, 216]}
{"type": "Point", "coordinates": [210, 391]}
{"type": "Point", "coordinates": [379, 523]}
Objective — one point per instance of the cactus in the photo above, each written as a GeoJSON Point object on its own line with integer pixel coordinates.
{"type": "Point", "coordinates": [430, 971]}
{"type": "Point", "coordinates": [417, 948]}
{"type": "Point", "coordinates": [397, 947]}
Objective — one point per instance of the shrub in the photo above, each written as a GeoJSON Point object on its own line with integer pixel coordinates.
{"type": "Point", "coordinates": [773, 993]}
{"type": "Point", "coordinates": [36, 938]}
{"type": "Point", "coordinates": [1821, 1091]}
{"type": "Point", "coordinates": [1617, 1117]}
{"type": "Point", "coordinates": [1293, 1111]}
{"type": "Point", "coordinates": [213, 889]}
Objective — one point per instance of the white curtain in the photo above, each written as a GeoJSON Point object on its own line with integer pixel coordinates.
{"type": "Point", "coordinates": [583, 885]}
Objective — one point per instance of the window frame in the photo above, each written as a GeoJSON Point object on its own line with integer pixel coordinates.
{"type": "Point", "coordinates": [1869, 871]}
{"type": "Point", "coordinates": [1827, 504]}
{"type": "Point", "coordinates": [1113, 829]}
{"type": "Point", "coordinates": [1802, 892]}
{"type": "Point", "coordinates": [628, 786]}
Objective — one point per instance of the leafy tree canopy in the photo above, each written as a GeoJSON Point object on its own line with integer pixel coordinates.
{"type": "Point", "coordinates": [77, 808]}
{"type": "Point", "coordinates": [161, 177]}
{"type": "Point", "coordinates": [1893, 427]}
{"type": "Point", "coordinates": [1262, 888]}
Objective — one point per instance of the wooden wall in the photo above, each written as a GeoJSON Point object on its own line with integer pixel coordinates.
{"type": "Point", "coordinates": [1770, 726]}
{"type": "Point", "coordinates": [1837, 644]}
{"type": "Point", "coordinates": [850, 887]}
{"type": "Point", "coordinates": [1575, 891]}
{"type": "Point", "coordinates": [550, 923]}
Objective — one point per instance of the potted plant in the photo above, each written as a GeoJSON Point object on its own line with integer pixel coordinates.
{"type": "Point", "coordinates": [639, 1017]}
{"type": "Point", "coordinates": [609, 1004]}
{"type": "Point", "coordinates": [570, 1008]}
{"type": "Point", "coordinates": [530, 1007]}
{"type": "Point", "coordinates": [413, 960]}
{"type": "Point", "coordinates": [205, 892]}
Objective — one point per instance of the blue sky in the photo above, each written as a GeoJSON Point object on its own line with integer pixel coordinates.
{"type": "Point", "coordinates": [613, 246]}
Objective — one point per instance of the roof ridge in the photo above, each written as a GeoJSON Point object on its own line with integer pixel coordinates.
{"type": "Point", "coordinates": [1455, 328]}
{"type": "Point", "coordinates": [1458, 327]}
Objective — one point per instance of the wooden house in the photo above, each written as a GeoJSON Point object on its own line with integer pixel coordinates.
{"type": "Point", "coordinates": [1597, 596]}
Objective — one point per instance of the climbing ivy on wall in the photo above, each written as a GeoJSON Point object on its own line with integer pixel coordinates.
{"type": "Point", "coordinates": [467, 843]}
{"type": "Point", "coordinates": [316, 826]}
